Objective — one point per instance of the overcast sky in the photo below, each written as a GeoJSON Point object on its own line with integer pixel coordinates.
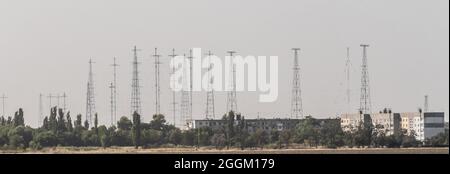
{"type": "Point", "coordinates": [45, 47]}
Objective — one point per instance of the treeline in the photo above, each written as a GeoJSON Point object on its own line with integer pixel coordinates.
{"type": "Point", "coordinates": [58, 129]}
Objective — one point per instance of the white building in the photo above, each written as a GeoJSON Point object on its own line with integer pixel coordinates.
{"type": "Point", "coordinates": [411, 122]}
{"type": "Point", "coordinates": [386, 120]}
{"type": "Point", "coordinates": [349, 121]}
{"type": "Point", "coordinates": [423, 126]}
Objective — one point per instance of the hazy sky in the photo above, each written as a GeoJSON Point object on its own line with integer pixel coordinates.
{"type": "Point", "coordinates": [45, 47]}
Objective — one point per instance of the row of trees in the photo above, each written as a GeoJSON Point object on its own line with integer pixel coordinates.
{"type": "Point", "coordinates": [58, 129]}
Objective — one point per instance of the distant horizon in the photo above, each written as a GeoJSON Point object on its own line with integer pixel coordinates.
{"type": "Point", "coordinates": [46, 46]}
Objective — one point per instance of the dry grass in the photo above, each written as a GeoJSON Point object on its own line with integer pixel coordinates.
{"type": "Point", "coordinates": [210, 150]}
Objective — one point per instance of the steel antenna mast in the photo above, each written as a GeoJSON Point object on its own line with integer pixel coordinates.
{"type": "Point", "coordinates": [210, 93]}
{"type": "Point", "coordinates": [365, 101]}
{"type": "Point", "coordinates": [296, 105]}
{"type": "Point", "coordinates": [174, 103]}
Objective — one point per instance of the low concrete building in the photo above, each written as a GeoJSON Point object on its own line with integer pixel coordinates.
{"type": "Point", "coordinates": [279, 124]}
{"type": "Point", "coordinates": [349, 121]}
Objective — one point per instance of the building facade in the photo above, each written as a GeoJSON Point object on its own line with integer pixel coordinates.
{"type": "Point", "coordinates": [267, 125]}
{"type": "Point", "coordinates": [433, 124]}
{"type": "Point", "coordinates": [422, 125]}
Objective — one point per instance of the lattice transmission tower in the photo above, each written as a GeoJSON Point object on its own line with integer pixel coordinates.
{"type": "Point", "coordinates": [365, 101]}
{"type": "Point", "coordinates": [347, 78]}
{"type": "Point", "coordinates": [210, 113]}
{"type": "Point", "coordinates": [113, 87]}
{"type": "Point", "coordinates": [296, 103]}
{"type": "Point", "coordinates": [174, 102]}
{"type": "Point", "coordinates": [185, 93]}
{"type": "Point", "coordinates": [90, 95]}
{"type": "Point", "coordinates": [157, 86]}
{"type": "Point", "coordinates": [231, 95]}
{"type": "Point", "coordinates": [135, 86]}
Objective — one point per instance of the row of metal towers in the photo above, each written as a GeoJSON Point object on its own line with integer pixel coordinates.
{"type": "Point", "coordinates": [365, 101]}
{"type": "Point", "coordinates": [186, 95]}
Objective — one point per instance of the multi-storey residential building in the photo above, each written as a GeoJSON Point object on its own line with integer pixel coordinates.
{"type": "Point", "coordinates": [410, 121]}
{"type": "Point", "coordinates": [422, 125]}
{"type": "Point", "coordinates": [384, 120]}
{"type": "Point", "coordinates": [349, 121]}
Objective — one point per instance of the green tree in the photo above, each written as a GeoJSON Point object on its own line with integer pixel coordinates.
{"type": "Point", "coordinates": [218, 140]}
{"type": "Point", "coordinates": [203, 137]}
{"type": "Point", "coordinates": [96, 124]}
{"type": "Point", "coordinates": [306, 132]}
{"type": "Point", "coordinates": [260, 137]}
{"type": "Point", "coordinates": [229, 128]}
{"type": "Point", "coordinates": [241, 131]}
{"type": "Point", "coordinates": [78, 121]}
{"type": "Point", "coordinates": [2, 121]}
{"type": "Point", "coordinates": [175, 136]}
{"type": "Point", "coordinates": [9, 121]}
{"type": "Point", "coordinates": [440, 140]}
{"type": "Point", "coordinates": [274, 136]}
{"type": "Point", "coordinates": [46, 139]}
{"type": "Point", "coordinates": [18, 118]}
{"type": "Point", "coordinates": [124, 123]}
{"type": "Point", "coordinates": [20, 136]}
{"type": "Point", "coordinates": [45, 124]}
{"type": "Point", "coordinates": [136, 130]}
{"type": "Point", "coordinates": [151, 137]}
{"type": "Point", "coordinates": [86, 124]}
{"type": "Point", "coordinates": [4, 135]}
{"type": "Point", "coordinates": [121, 138]}
{"type": "Point", "coordinates": [158, 122]}
{"type": "Point", "coordinates": [105, 140]}
{"type": "Point", "coordinates": [331, 134]}
{"type": "Point", "coordinates": [52, 121]}
{"type": "Point", "coordinates": [188, 138]}
{"type": "Point", "coordinates": [90, 138]}
{"type": "Point", "coordinates": [286, 137]}
{"type": "Point", "coordinates": [378, 136]}
{"type": "Point", "coordinates": [367, 131]}
{"type": "Point", "coordinates": [61, 122]}
{"type": "Point", "coordinates": [16, 141]}
{"type": "Point", "coordinates": [69, 126]}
